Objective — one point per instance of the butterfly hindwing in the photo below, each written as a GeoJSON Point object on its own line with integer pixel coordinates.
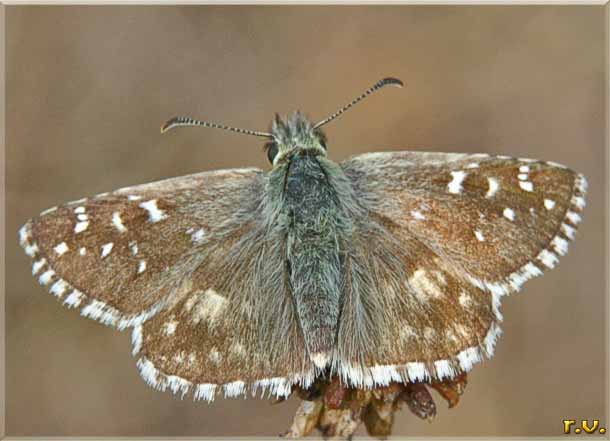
{"type": "Point", "coordinates": [452, 234]}
{"type": "Point", "coordinates": [120, 256]}
{"type": "Point", "coordinates": [235, 329]}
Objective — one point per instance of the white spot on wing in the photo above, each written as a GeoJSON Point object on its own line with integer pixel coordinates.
{"type": "Point", "coordinates": [79, 210]}
{"type": "Point", "coordinates": [509, 214]}
{"type": "Point", "coordinates": [134, 247]}
{"type": "Point", "coordinates": [465, 300]}
{"type": "Point", "coordinates": [82, 251]}
{"type": "Point", "coordinates": [117, 222]}
{"type": "Point", "coordinates": [493, 187]}
{"type": "Point", "coordinates": [455, 186]}
{"type": "Point", "coordinates": [197, 237]}
{"type": "Point", "coordinates": [214, 356]}
{"type": "Point", "coordinates": [170, 327]}
{"type": "Point", "coordinates": [208, 306]}
{"type": "Point", "coordinates": [524, 169]}
{"type": "Point", "coordinates": [479, 236]}
{"type": "Point", "coordinates": [106, 249]}
{"type": "Point", "coordinates": [320, 359]}
{"type": "Point", "coordinates": [522, 176]}
{"type": "Point", "coordinates": [423, 286]}
{"type": "Point", "coordinates": [61, 248]}
{"type": "Point", "coordinates": [81, 226]}
{"type": "Point", "coordinates": [141, 266]}
{"type": "Point", "coordinates": [472, 165]}
{"type": "Point", "coordinates": [154, 213]}
{"type": "Point", "coordinates": [526, 185]}
{"type": "Point", "coordinates": [132, 197]}
{"type": "Point", "coordinates": [417, 215]}
{"type": "Point", "coordinates": [549, 204]}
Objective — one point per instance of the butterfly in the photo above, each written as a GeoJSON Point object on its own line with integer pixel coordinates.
{"type": "Point", "coordinates": [386, 267]}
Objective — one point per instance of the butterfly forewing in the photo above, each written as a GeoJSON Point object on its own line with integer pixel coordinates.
{"type": "Point", "coordinates": [491, 216]}
{"type": "Point", "coordinates": [121, 256]}
{"type": "Point", "coordinates": [458, 232]}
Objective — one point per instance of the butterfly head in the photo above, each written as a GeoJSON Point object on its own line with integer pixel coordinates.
{"type": "Point", "coordinates": [294, 135]}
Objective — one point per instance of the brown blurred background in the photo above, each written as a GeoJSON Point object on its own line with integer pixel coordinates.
{"type": "Point", "coordinates": [89, 86]}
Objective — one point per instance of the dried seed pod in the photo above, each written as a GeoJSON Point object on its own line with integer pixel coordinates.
{"type": "Point", "coordinates": [378, 419]}
{"type": "Point", "coordinates": [335, 394]}
{"type": "Point", "coordinates": [305, 420]}
{"type": "Point", "coordinates": [338, 423]}
{"type": "Point", "coordinates": [419, 400]}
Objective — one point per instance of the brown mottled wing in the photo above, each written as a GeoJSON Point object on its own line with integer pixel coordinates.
{"type": "Point", "coordinates": [121, 256]}
{"type": "Point", "coordinates": [193, 266]}
{"type": "Point", "coordinates": [235, 331]}
{"type": "Point", "coordinates": [452, 233]}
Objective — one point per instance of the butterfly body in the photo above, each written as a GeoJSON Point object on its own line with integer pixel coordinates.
{"type": "Point", "coordinates": [384, 267]}
{"type": "Point", "coordinates": [314, 238]}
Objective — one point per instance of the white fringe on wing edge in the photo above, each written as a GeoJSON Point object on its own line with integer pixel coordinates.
{"type": "Point", "coordinates": [73, 298]}
{"type": "Point", "coordinates": [368, 377]}
{"type": "Point", "coordinates": [547, 258]}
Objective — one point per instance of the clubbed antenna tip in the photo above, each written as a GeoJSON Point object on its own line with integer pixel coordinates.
{"type": "Point", "coordinates": [186, 121]}
{"type": "Point", "coordinates": [389, 81]}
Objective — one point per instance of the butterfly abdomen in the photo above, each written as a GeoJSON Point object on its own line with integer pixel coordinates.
{"type": "Point", "coordinates": [313, 237]}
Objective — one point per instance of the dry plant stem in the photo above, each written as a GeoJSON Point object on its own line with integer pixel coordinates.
{"type": "Point", "coordinates": [337, 411]}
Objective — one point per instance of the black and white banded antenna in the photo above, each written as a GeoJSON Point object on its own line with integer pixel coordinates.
{"type": "Point", "coordinates": [186, 121]}
{"type": "Point", "coordinates": [381, 83]}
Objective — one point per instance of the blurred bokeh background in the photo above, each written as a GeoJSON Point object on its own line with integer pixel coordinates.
{"type": "Point", "coordinates": [89, 86]}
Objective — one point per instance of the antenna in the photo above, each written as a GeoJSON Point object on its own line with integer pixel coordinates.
{"type": "Point", "coordinates": [381, 83]}
{"type": "Point", "coordinates": [186, 121]}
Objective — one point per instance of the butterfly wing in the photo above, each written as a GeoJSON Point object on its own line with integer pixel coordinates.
{"type": "Point", "coordinates": [453, 233]}
{"type": "Point", "coordinates": [191, 264]}
{"type": "Point", "coordinates": [120, 256]}
{"type": "Point", "coordinates": [237, 328]}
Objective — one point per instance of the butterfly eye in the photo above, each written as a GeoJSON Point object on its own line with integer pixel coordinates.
{"type": "Point", "coordinates": [271, 151]}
